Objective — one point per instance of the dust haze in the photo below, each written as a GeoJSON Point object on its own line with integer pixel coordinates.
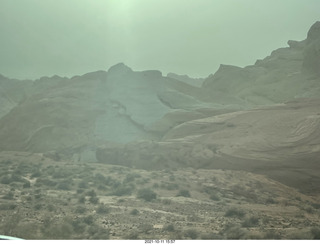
{"type": "Point", "coordinates": [159, 120]}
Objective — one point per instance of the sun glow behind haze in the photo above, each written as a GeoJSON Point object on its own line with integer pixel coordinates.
{"type": "Point", "coordinates": [183, 36]}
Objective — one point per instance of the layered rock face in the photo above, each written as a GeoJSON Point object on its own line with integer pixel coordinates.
{"type": "Point", "coordinates": [264, 113]}
{"type": "Point", "coordinates": [288, 73]}
{"type": "Point", "coordinates": [275, 127]}
{"type": "Point", "coordinates": [74, 115]}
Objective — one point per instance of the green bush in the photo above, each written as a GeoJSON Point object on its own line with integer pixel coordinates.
{"type": "Point", "coordinates": [78, 226]}
{"type": "Point", "coordinates": [80, 210]}
{"type": "Point", "coordinates": [191, 233]}
{"type": "Point", "coordinates": [166, 201]}
{"type": "Point", "coordinates": [272, 235]}
{"type": "Point", "coordinates": [94, 200]}
{"type": "Point", "coordinates": [91, 193]}
{"type": "Point", "coordinates": [65, 186]}
{"type": "Point", "coordinates": [8, 196]}
{"type": "Point", "coordinates": [233, 212]}
{"type": "Point", "coordinates": [133, 235]}
{"type": "Point", "coordinates": [38, 206]}
{"type": "Point", "coordinates": [214, 197]}
{"type": "Point", "coordinates": [89, 219]}
{"type": "Point", "coordinates": [169, 228]}
{"type": "Point", "coordinates": [7, 206]}
{"type": "Point", "coordinates": [315, 233]}
{"type": "Point", "coordinates": [36, 174]}
{"type": "Point", "coordinates": [27, 184]}
{"type": "Point", "coordinates": [123, 190]}
{"type": "Point", "coordinates": [134, 212]}
{"type": "Point", "coordinates": [102, 209]}
{"type": "Point", "coordinates": [98, 233]}
{"type": "Point", "coordinates": [146, 194]}
{"type": "Point", "coordinates": [5, 180]}
{"type": "Point", "coordinates": [46, 182]}
{"type": "Point", "coordinates": [83, 184]}
{"type": "Point", "coordinates": [250, 222]}
{"type": "Point", "coordinates": [82, 199]}
{"type": "Point", "coordinates": [183, 193]}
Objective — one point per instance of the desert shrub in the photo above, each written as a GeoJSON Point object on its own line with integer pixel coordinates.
{"type": "Point", "coordinates": [233, 212]}
{"type": "Point", "coordinates": [98, 233]}
{"type": "Point", "coordinates": [94, 200]}
{"type": "Point", "coordinates": [169, 186]}
{"type": "Point", "coordinates": [309, 209]}
{"type": "Point", "coordinates": [315, 232]}
{"type": "Point", "coordinates": [243, 192]}
{"type": "Point", "coordinates": [133, 235]}
{"type": "Point", "coordinates": [183, 193]}
{"type": "Point", "coordinates": [89, 219]}
{"type": "Point", "coordinates": [316, 205]}
{"type": "Point", "coordinates": [272, 235]}
{"type": "Point", "coordinates": [214, 197]}
{"type": "Point", "coordinates": [299, 235]}
{"type": "Point", "coordinates": [146, 228]}
{"type": "Point", "coordinates": [27, 184]}
{"type": "Point", "coordinates": [7, 206]}
{"type": "Point", "coordinates": [36, 174]}
{"type": "Point", "coordinates": [143, 181]}
{"type": "Point", "coordinates": [191, 233]}
{"type": "Point", "coordinates": [62, 173]}
{"type": "Point", "coordinates": [9, 195]}
{"type": "Point", "coordinates": [37, 207]}
{"type": "Point", "coordinates": [102, 187]}
{"type": "Point", "coordinates": [79, 191]}
{"type": "Point", "coordinates": [50, 170]}
{"type": "Point", "coordinates": [99, 178]}
{"type": "Point", "coordinates": [166, 201]}
{"type": "Point", "coordinates": [131, 177]}
{"type": "Point", "coordinates": [233, 232]}
{"type": "Point", "coordinates": [28, 198]}
{"type": "Point", "coordinates": [58, 231]}
{"type": "Point", "coordinates": [78, 226]}
{"type": "Point", "coordinates": [146, 194]}
{"type": "Point", "coordinates": [51, 207]}
{"type": "Point", "coordinates": [270, 201]}
{"type": "Point", "coordinates": [6, 162]}
{"type": "Point", "coordinates": [10, 226]}
{"type": "Point", "coordinates": [115, 183]}
{"type": "Point", "coordinates": [91, 193]}
{"type": "Point", "coordinates": [82, 199]}
{"type": "Point", "coordinates": [64, 185]}
{"type": "Point", "coordinates": [83, 184]}
{"type": "Point", "coordinates": [102, 209]}
{"type": "Point", "coordinates": [211, 236]}
{"type": "Point", "coordinates": [38, 196]}
{"type": "Point", "coordinates": [46, 182]}
{"type": "Point", "coordinates": [172, 178]}
{"type": "Point", "coordinates": [250, 222]}
{"type": "Point", "coordinates": [134, 212]}
{"type": "Point", "coordinates": [80, 210]}
{"type": "Point", "coordinates": [169, 228]}
{"type": "Point", "coordinates": [5, 180]}
{"type": "Point", "coordinates": [26, 231]}
{"type": "Point", "coordinates": [122, 190]}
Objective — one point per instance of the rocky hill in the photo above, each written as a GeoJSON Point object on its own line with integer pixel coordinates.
{"type": "Point", "coordinates": [228, 113]}
{"type": "Point", "coordinates": [123, 154]}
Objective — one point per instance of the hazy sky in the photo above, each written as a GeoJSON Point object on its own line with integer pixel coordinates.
{"type": "Point", "coordinates": [71, 37]}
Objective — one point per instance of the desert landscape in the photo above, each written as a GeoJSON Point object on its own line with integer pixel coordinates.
{"type": "Point", "coordinates": [124, 154]}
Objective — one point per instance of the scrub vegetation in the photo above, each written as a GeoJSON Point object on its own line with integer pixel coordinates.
{"type": "Point", "coordinates": [50, 200]}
